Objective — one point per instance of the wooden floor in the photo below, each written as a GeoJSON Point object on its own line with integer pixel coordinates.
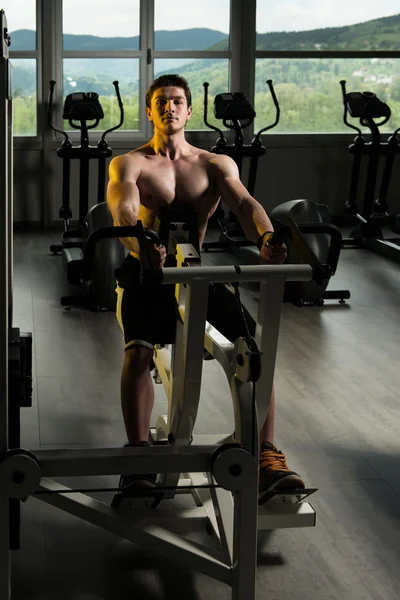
{"type": "Point", "coordinates": [338, 422]}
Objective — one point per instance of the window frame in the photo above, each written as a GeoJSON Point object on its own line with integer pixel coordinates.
{"type": "Point", "coordinates": [124, 138]}
{"type": "Point", "coordinates": [281, 139]}
{"type": "Point", "coordinates": [49, 55]}
{"type": "Point", "coordinates": [32, 140]}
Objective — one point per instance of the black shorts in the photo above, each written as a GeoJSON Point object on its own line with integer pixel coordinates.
{"type": "Point", "coordinates": [150, 316]}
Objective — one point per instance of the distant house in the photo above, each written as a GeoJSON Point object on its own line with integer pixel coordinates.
{"type": "Point", "coordinates": [359, 73]}
{"type": "Point", "coordinates": [385, 79]}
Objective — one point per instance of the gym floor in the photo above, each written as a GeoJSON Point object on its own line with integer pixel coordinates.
{"type": "Point", "coordinates": [338, 422]}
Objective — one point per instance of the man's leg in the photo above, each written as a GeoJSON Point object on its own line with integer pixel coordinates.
{"type": "Point", "coordinates": [267, 432]}
{"type": "Point", "coordinates": [137, 393]}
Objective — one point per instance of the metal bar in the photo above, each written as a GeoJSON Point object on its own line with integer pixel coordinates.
{"type": "Point", "coordinates": [321, 54]}
{"type": "Point", "coordinates": [267, 335]}
{"type": "Point", "coordinates": [24, 54]}
{"type": "Point", "coordinates": [202, 496]}
{"type": "Point", "coordinates": [191, 367]}
{"type": "Point", "coordinates": [235, 273]}
{"type": "Point", "coordinates": [245, 538]}
{"type": "Point", "coordinates": [125, 461]}
{"type": "Point", "coordinates": [5, 296]}
{"type": "Point", "coordinates": [246, 421]}
{"type": "Point", "coordinates": [224, 512]}
{"type": "Point", "coordinates": [176, 374]}
{"type": "Point", "coordinates": [190, 364]}
{"type": "Point", "coordinates": [179, 520]}
{"type": "Point", "coordinates": [152, 537]}
{"type": "Point", "coordinates": [192, 54]}
{"type": "Point", "coordinates": [384, 247]}
{"type": "Point", "coordinates": [220, 348]}
{"type": "Point", "coordinates": [115, 54]}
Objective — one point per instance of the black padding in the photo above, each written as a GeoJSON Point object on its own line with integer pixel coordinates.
{"type": "Point", "coordinates": [72, 261]}
{"type": "Point", "coordinates": [108, 256]}
{"type": "Point", "coordinates": [305, 211]}
{"type": "Point", "coordinates": [178, 213]}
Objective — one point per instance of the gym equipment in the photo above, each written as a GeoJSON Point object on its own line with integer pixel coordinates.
{"type": "Point", "coordinates": [220, 474]}
{"type": "Point", "coordinates": [15, 346]}
{"type": "Point", "coordinates": [325, 240]}
{"type": "Point", "coordinates": [81, 107]}
{"type": "Point", "coordinates": [374, 215]}
{"type": "Point", "coordinates": [100, 292]}
{"type": "Point", "coordinates": [236, 113]}
{"type": "Point", "coordinates": [313, 219]}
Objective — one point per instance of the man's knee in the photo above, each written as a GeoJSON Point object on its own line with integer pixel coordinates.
{"type": "Point", "coordinates": [138, 359]}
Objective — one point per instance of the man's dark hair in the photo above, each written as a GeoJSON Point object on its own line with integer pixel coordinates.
{"type": "Point", "coordinates": [173, 80]}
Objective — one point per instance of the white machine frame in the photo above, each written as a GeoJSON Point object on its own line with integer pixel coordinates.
{"type": "Point", "coordinates": [222, 476]}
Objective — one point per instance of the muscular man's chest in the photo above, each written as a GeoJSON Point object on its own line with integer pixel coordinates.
{"type": "Point", "coordinates": [160, 185]}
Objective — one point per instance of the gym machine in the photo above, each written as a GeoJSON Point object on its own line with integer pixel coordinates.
{"type": "Point", "coordinates": [313, 219]}
{"type": "Point", "coordinates": [236, 113]}
{"type": "Point", "coordinates": [79, 108]}
{"type": "Point", "coordinates": [221, 476]}
{"type": "Point", "coordinates": [15, 346]}
{"type": "Point", "coordinates": [374, 215]}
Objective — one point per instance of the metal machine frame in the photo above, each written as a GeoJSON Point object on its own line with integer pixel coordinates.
{"type": "Point", "coordinates": [222, 476]}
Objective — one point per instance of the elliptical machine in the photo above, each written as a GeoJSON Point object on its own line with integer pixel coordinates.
{"type": "Point", "coordinates": [236, 113]}
{"type": "Point", "coordinates": [324, 240]}
{"type": "Point", "coordinates": [374, 215]}
{"type": "Point", "coordinates": [98, 289]}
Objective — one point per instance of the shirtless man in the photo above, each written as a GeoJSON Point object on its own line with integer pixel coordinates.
{"type": "Point", "coordinates": [168, 169]}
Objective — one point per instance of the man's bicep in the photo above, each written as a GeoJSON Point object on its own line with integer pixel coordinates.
{"type": "Point", "coordinates": [229, 186]}
{"type": "Point", "coordinates": [232, 192]}
{"type": "Point", "coordinates": [122, 191]}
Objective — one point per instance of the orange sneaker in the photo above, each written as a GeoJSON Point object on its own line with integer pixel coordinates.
{"type": "Point", "coordinates": [274, 474]}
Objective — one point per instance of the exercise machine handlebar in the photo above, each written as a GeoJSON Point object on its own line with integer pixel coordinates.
{"type": "Point", "coordinates": [277, 114]}
{"type": "Point", "coordinates": [172, 275]}
{"type": "Point", "coordinates": [86, 127]}
{"type": "Point", "coordinates": [221, 138]}
{"type": "Point", "coordinates": [121, 113]}
{"type": "Point", "coordinates": [49, 111]}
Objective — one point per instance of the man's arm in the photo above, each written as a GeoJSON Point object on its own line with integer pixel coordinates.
{"type": "Point", "coordinates": [123, 197]}
{"type": "Point", "coordinates": [250, 214]}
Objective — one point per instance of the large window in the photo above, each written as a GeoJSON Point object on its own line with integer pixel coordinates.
{"type": "Point", "coordinates": [21, 20]}
{"type": "Point", "coordinates": [100, 47]}
{"type": "Point", "coordinates": [202, 33]}
{"type": "Point", "coordinates": [104, 45]}
{"type": "Point", "coordinates": [308, 49]}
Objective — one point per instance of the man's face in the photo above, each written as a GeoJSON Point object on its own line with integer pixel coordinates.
{"type": "Point", "coordinates": [169, 111]}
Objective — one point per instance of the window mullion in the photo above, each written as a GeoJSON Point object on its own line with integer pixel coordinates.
{"type": "Point", "coordinates": [146, 67]}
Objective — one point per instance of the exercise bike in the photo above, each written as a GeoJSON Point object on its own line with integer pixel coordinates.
{"type": "Point", "coordinates": [374, 215]}
{"type": "Point", "coordinates": [99, 290]}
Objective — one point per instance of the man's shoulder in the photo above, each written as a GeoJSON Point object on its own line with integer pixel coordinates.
{"type": "Point", "coordinates": [212, 158]}
{"type": "Point", "coordinates": [131, 162]}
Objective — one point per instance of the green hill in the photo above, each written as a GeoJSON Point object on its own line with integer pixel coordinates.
{"type": "Point", "coordinates": [378, 34]}
{"type": "Point", "coordinates": [186, 39]}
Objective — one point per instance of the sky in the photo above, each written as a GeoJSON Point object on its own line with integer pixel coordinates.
{"type": "Point", "coordinates": [272, 15]}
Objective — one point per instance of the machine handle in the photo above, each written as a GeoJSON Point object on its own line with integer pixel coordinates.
{"type": "Point", "coordinates": [121, 112]}
{"type": "Point", "coordinates": [278, 112]}
{"type": "Point", "coordinates": [335, 240]}
{"type": "Point", "coordinates": [137, 231]}
{"type": "Point", "coordinates": [344, 96]}
{"type": "Point", "coordinates": [222, 140]}
{"type": "Point", "coordinates": [49, 111]}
